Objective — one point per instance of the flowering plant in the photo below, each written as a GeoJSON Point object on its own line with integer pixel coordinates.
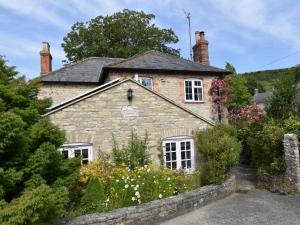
{"type": "Point", "coordinates": [248, 115]}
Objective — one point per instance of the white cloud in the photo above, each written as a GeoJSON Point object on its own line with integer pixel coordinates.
{"type": "Point", "coordinates": [261, 16]}
{"type": "Point", "coordinates": [39, 10]}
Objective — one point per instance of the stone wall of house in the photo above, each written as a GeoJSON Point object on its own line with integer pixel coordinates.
{"type": "Point", "coordinates": [158, 210]}
{"type": "Point", "coordinates": [95, 119]}
{"type": "Point", "coordinates": [172, 86]}
{"type": "Point", "coordinates": [62, 92]}
{"type": "Point", "coordinates": [291, 153]}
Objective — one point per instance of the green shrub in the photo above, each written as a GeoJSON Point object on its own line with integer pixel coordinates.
{"type": "Point", "coordinates": [267, 150]}
{"type": "Point", "coordinates": [220, 151]}
{"type": "Point", "coordinates": [292, 125]}
{"type": "Point", "coordinates": [42, 205]}
{"type": "Point", "coordinates": [93, 198]}
{"type": "Point", "coordinates": [133, 154]}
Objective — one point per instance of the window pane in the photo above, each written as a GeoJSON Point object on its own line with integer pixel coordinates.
{"type": "Point", "coordinates": [188, 145]}
{"type": "Point", "coordinates": [85, 153]}
{"type": "Point", "coordinates": [168, 157]}
{"type": "Point", "coordinates": [173, 145]}
{"type": "Point", "coordinates": [173, 156]}
{"type": "Point", "coordinates": [188, 154]}
{"type": "Point", "coordinates": [189, 164]}
{"type": "Point", "coordinates": [77, 152]}
{"type": "Point", "coordinates": [167, 147]}
{"type": "Point", "coordinates": [146, 82]}
{"type": "Point", "coordinates": [182, 155]}
{"type": "Point", "coordinates": [188, 90]}
{"type": "Point", "coordinates": [65, 154]}
{"type": "Point", "coordinates": [183, 164]}
{"type": "Point", "coordinates": [182, 145]}
{"type": "Point", "coordinates": [168, 164]}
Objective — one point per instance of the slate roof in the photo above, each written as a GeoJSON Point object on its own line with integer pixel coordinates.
{"type": "Point", "coordinates": [94, 69]}
{"type": "Point", "coordinates": [154, 60]}
{"type": "Point", "coordinates": [261, 98]}
{"type": "Point", "coordinates": [84, 71]}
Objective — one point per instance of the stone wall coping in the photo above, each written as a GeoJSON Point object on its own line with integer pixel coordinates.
{"type": "Point", "coordinates": [158, 210]}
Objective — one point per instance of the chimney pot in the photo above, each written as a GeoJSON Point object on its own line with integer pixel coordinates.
{"type": "Point", "coordinates": [46, 58]}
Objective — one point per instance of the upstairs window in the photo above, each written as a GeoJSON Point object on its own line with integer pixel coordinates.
{"type": "Point", "coordinates": [85, 151]}
{"type": "Point", "coordinates": [193, 89]}
{"type": "Point", "coordinates": [146, 81]}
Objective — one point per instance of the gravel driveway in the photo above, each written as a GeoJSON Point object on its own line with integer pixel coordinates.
{"type": "Point", "coordinates": [255, 207]}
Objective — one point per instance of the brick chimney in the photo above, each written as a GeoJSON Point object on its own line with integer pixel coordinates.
{"type": "Point", "coordinates": [46, 58]}
{"type": "Point", "coordinates": [200, 49]}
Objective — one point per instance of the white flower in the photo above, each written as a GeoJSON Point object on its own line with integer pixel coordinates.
{"type": "Point", "coordinates": [107, 200]}
{"type": "Point", "coordinates": [169, 178]}
{"type": "Point", "coordinates": [137, 193]}
{"type": "Point", "coordinates": [132, 185]}
{"type": "Point", "coordinates": [153, 176]}
{"type": "Point", "coordinates": [139, 176]}
{"type": "Point", "coordinates": [145, 166]}
{"type": "Point", "coordinates": [126, 186]}
{"type": "Point", "coordinates": [123, 177]}
{"type": "Point", "coordinates": [133, 198]}
{"type": "Point", "coordinates": [139, 201]}
{"type": "Point", "coordinates": [148, 170]}
{"type": "Point", "coordinates": [160, 196]}
{"type": "Point", "coordinates": [132, 179]}
{"type": "Point", "coordinates": [117, 180]}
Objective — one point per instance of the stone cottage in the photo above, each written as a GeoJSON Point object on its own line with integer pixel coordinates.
{"type": "Point", "coordinates": [153, 92]}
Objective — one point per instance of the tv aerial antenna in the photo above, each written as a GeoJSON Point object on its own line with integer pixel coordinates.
{"type": "Point", "coordinates": [188, 16]}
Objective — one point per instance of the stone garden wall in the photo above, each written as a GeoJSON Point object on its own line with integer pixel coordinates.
{"type": "Point", "coordinates": [158, 210]}
{"type": "Point", "coordinates": [291, 153]}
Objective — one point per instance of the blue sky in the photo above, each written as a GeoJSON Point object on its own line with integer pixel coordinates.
{"type": "Point", "coordinates": [247, 33]}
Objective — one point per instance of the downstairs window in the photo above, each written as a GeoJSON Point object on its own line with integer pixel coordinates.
{"type": "Point", "coordinates": [179, 153]}
{"type": "Point", "coordinates": [83, 150]}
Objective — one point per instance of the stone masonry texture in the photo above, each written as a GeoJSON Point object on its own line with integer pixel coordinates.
{"type": "Point", "coordinates": [172, 86]}
{"type": "Point", "coordinates": [158, 210]}
{"type": "Point", "coordinates": [62, 92]}
{"type": "Point", "coordinates": [97, 118]}
{"type": "Point", "coordinates": [291, 153]}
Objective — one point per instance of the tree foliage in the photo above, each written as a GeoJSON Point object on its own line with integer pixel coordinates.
{"type": "Point", "coordinates": [284, 102]}
{"type": "Point", "coordinates": [33, 175]}
{"type": "Point", "coordinates": [122, 34]}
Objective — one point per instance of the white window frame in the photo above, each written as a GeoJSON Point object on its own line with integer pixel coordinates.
{"type": "Point", "coordinates": [70, 148]}
{"type": "Point", "coordinates": [140, 80]}
{"type": "Point", "coordinates": [177, 141]}
{"type": "Point", "coordinates": [193, 80]}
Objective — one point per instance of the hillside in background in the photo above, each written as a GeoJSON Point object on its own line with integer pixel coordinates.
{"type": "Point", "coordinates": [263, 80]}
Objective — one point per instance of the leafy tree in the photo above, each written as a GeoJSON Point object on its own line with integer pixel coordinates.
{"type": "Point", "coordinates": [230, 68]}
{"type": "Point", "coordinates": [283, 102]}
{"type": "Point", "coordinates": [34, 177]}
{"type": "Point", "coordinates": [122, 34]}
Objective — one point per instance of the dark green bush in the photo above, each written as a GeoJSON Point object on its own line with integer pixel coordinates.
{"type": "Point", "coordinates": [220, 151]}
{"type": "Point", "coordinates": [134, 154]}
{"type": "Point", "coordinates": [93, 199]}
{"type": "Point", "coordinates": [267, 150]}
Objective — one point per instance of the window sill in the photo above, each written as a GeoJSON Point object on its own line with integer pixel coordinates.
{"type": "Point", "coordinates": [197, 102]}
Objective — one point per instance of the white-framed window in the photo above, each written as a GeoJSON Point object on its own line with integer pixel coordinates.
{"type": "Point", "coordinates": [146, 81]}
{"type": "Point", "coordinates": [193, 90]}
{"type": "Point", "coordinates": [179, 153]}
{"type": "Point", "coordinates": [83, 150]}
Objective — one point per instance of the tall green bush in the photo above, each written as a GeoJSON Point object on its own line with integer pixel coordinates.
{"type": "Point", "coordinates": [267, 150]}
{"type": "Point", "coordinates": [93, 199]}
{"type": "Point", "coordinates": [220, 151]}
{"type": "Point", "coordinates": [134, 153]}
